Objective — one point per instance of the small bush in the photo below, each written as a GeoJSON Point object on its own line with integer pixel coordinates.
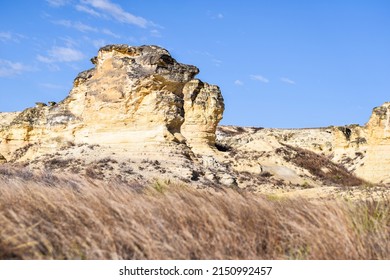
{"type": "Point", "coordinates": [266, 174]}
{"type": "Point", "coordinates": [58, 163]}
{"type": "Point", "coordinates": [222, 147]}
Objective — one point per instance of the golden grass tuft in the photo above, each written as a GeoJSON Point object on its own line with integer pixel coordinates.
{"type": "Point", "coordinates": [49, 217]}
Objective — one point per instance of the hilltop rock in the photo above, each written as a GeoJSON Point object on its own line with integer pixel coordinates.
{"type": "Point", "coordinates": [137, 98]}
{"type": "Point", "coordinates": [366, 149]}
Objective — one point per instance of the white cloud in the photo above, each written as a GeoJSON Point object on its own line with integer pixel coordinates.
{"type": "Point", "coordinates": [238, 83]}
{"type": "Point", "coordinates": [76, 25]}
{"type": "Point", "coordinates": [99, 43]}
{"type": "Point", "coordinates": [110, 33]}
{"type": "Point", "coordinates": [5, 36]}
{"type": "Point", "coordinates": [69, 42]}
{"type": "Point", "coordinates": [10, 68]}
{"type": "Point", "coordinates": [259, 78]}
{"type": "Point", "coordinates": [85, 28]}
{"type": "Point", "coordinates": [217, 62]}
{"type": "Point", "coordinates": [57, 3]}
{"type": "Point", "coordinates": [287, 81]}
{"type": "Point", "coordinates": [155, 33]}
{"type": "Point", "coordinates": [214, 15]}
{"type": "Point", "coordinates": [113, 10]}
{"type": "Point", "coordinates": [10, 37]}
{"type": "Point", "coordinates": [61, 54]}
{"type": "Point", "coordinates": [90, 11]}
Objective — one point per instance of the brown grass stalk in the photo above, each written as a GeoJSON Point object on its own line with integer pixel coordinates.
{"type": "Point", "coordinates": [74, 218]}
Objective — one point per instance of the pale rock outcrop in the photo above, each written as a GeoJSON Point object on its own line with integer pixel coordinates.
{"type": "Point", "coordinates": [203, 107]}
{"type": "Point", "coordinates": [367, 149]}
{"type": "Point", "coordinates": [136, 98]}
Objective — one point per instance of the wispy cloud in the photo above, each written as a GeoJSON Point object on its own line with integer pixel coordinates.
{"type": "Point", "coordinates": [287, 81]}
{"type": "Point", "coordinates": [85, 28]}
{"type": "Point", "coordinates": [10, 37]}
{"type": "Point", "coordinates": [155, 33]}
{"type": "Point", "coordinates": [99, 43]}
{"type": "Point", "coordinates": [10, 68]}
{"type": "Point", "coordinates": [61, 54]}
{"type": "Point", "coordinates": [259, 78]}
{"type": "Point", "coordinates": [58, 3]}
{"type": "Point", "coordinates": [112, 10]}
{"type": "Point", "coordinates": [88, 10]}
{"type": "Point", "coordinates": [213, 59]}
{"type": "Point", "coordinates": [217, 62]}
{"type": "Point", "coordinates": [238, 83]}
{"type": "Point", "coordinates": [5, 36]}
{"type": "Point", "coordinates": [214, 15]}
{"type": "Point", "coordinates": [110, 33]}
{"type": "Point", "coordinates": [76, 25]}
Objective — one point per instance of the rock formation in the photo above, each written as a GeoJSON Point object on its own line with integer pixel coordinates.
{"type": "Point", "coordinates": [363, 150]}
{"type": "Point", "coordinates": [203, 107]}
{"type": "Point", "coordinates": [139, 114]}
{"type": "Point", "coordinates": [135, 98]}
{"type": "Point", "coordinates": [366, 149]}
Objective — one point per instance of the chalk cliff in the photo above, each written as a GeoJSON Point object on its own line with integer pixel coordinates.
{"type": "Point", "coordinates": [135, 98]}
{"type": "Point", "coordinates": [366, 149]}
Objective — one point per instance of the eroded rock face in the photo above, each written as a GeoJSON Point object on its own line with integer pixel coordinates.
{"type": "Point", "coordinates": [203, 107]}
{"type": "Point", "coordinates": [376, 167]}
{"type": "Point", "coordinates": [367, 148]}
{"type": "Point", "coordinates": [134, 97]}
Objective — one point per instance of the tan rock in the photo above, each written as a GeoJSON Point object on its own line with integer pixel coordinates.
{"type": "Point", "coordinates": [135, 98]}
{"type": "Point", "coordinates": [203, 109]}
{"type": "Point", "coordinates": [374, 144]}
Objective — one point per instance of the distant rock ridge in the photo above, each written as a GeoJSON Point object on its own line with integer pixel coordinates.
{"type": "Point", "coordinates": [134, 97]}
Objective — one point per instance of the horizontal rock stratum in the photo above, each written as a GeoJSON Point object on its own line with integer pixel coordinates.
{"type": "Point", "coordinates": [134, 97]}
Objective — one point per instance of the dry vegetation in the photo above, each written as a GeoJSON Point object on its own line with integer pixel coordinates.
{"type": "Point", "coordinates": [49, 217]}
{"type": "Point", "coordinates": [320, 166]}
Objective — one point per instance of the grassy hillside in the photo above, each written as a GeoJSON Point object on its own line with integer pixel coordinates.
{"type": "Point", "coordinates": [50, 217]}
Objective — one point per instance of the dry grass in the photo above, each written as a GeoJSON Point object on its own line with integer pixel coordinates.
{"type": "Point", "coordinates": [47, 217]}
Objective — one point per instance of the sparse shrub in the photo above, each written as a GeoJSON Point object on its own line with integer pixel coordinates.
{"type": "Point", "coordinates": [317, 164]}
{"type": "Point", "coordinates": [19, 153]}
{"type": "Point", "coordinates": [266, 174]}
{"type": "Point", "coordinates": [195, 175]}
{"type": "Point", "coordinates": [128, 170]}
{"type": "Point", "coordinates": [57, 163]}
{"type": "Point", "coordinates": [94, 172]}
{"type": "Point", "coordinates": [222, 147]}
{"type": "Point", "coordinates": [306, 185]}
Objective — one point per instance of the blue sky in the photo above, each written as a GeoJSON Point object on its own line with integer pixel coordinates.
{"type": "Point", "coordinates": [278, 63]}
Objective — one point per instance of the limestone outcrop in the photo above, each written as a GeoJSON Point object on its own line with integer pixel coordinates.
{"type": "Point", "coordinates": [203, 107]}
{"type": "Point", "coordinates": [367, 148]}
{"type": "Point", "coordinates": [139, 114]}
{"type": "Point", "coordinates": [134, 98]}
